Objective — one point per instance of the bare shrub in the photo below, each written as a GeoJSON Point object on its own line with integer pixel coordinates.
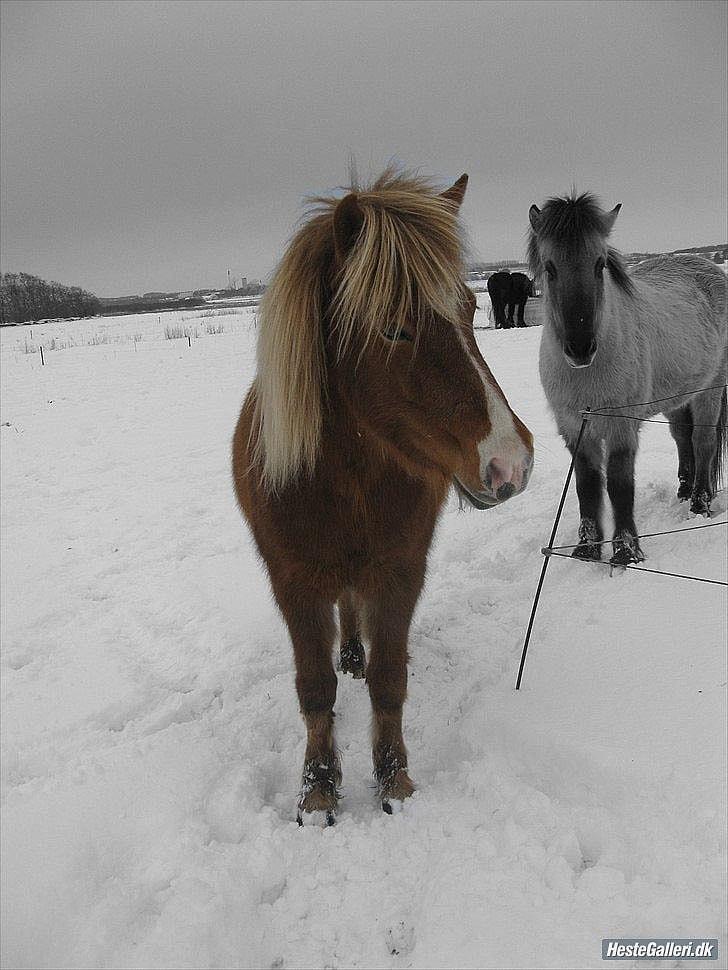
{"type": "Point", "coordinates": [178, 331]}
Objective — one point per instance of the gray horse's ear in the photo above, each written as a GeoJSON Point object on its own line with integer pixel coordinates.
{"type": "Point", "coordinates": [534, 217]}
{"type": "Point", "coordinates": [456, 192]}
{"type": "Point", "coordinates": [611, 217]}
{"type": "Point", "coordinates": [348, 220]}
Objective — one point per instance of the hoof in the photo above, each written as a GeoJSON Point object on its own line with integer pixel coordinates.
{"type": "Point", "coordinates": [352, 658]}
{"type": "Point", "coordinates": [590, 538]}
{"type": "Point", "coordinates": [329, 816]}
{"type": "Point", "coordinates": [330, 819]}
{"type": "Point", "coordinates": [626, 550]}
{"type": "Point", "coordinates": [684, 490]}
{"type": "Point", "coordinates": [700, 504]}
{"type": "Point", "coordinates": [588, 551]}
{"type": "Point", "coordinates": [319, 790]}
{"type": "Point", "coordinates": [394, 785]}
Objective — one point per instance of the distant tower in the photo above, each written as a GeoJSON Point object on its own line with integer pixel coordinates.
{"type": "Point", "coordinates": [229, 286]}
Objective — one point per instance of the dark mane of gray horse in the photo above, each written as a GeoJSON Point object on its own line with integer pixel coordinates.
{"type": "Point", "coordinates": [569, 223]}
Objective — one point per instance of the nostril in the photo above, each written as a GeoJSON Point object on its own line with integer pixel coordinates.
{"type": "Point", "coordinates": [505, 491]}
{"type": "Point", "coordinates": [580, 352]}
{"type": "Point", "coordinates": [496, 475]}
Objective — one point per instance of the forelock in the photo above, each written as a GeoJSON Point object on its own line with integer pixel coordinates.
{"type": "Point", "coordinates": [567, 225]}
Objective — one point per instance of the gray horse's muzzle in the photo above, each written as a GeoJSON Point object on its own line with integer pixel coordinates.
{"type": "Point", "coordinates": [578, 355]}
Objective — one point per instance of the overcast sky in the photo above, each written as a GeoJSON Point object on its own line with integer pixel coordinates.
{"type": "Point", "coordinates": [150, 146]}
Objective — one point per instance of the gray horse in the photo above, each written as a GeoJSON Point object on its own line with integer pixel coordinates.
{"type": "Point", "coordinates": [613, 338]}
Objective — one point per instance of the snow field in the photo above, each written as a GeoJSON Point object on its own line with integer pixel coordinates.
{"type": "Point", "coordinates": [152, 744]}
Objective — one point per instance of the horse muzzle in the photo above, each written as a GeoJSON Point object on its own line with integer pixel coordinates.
{"type": "Point", "coordinates": [578, 356]}
{"type": "Point", "coordinates": [503, 480]}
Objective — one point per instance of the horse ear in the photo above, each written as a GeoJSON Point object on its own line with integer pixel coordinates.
{"type": "Point", "coordinates": [456, 192]}
{"type": "Point", "coordinates": [534, 217]}
{"type": "Point", "coordinates": [610, 218]}
{"type": "Point", "coordinates": [348, 220]}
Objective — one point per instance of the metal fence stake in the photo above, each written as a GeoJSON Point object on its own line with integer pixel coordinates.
{"type": "Point", "coordinates": [544, 552]}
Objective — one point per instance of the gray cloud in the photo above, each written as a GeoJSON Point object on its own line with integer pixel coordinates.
{"type": "Point", "coordinates": [152, 145]}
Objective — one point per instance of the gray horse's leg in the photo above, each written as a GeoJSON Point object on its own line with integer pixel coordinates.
{"type": "Point", "coordinates": [681, 428]}
{"type": "Point", "coordinates": [706, 409]}
{"type": "Point", "coordinates": [620, 488]}
{"type": "Point", "coordinates": [589, 488]}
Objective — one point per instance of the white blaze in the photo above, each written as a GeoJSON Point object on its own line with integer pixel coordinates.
{"type": "Point", "coordinates": [503, 443]}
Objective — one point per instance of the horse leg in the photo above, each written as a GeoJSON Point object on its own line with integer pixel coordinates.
{"type": "Point", "coordinates": [388, 619]}
{"type": "Point", "coordinates": [310, 623]}
{"type": "Point", "coordinates": [498, 313]}
{"type": "Point", "coordinates": [620, 487]}
{"type": "Point", "coordinates": [708, 436]}
{"type": "Point", "coordinates": [509, 311]}
{"type": "Point", "coordinates": [522, 313]}
{"type": "Point", "coordinates": [681, 428]}
{"type": "Point", "coordinates": [351, 654]}
{"type": "Point", "coordinates": [504, 316]}
{"type": "Point", "coordinates": [589, 488]}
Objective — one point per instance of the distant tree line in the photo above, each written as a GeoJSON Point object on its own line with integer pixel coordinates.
{"type": "Point", "coordinates": [139, 304]}
{"type": "Point", "coordinates": [24, 297]}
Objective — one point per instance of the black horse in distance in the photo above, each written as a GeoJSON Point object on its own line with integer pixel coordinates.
{"type": "Point", "coordinates": [508, 292]}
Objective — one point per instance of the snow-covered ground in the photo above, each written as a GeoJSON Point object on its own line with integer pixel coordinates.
{"type": "Point", "coordinates": [151, 738]}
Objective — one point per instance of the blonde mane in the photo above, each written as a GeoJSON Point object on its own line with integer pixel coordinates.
{"type": "Point", "coordinates": [406, 263]}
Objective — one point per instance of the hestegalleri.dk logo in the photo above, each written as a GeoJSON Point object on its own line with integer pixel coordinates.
{"type": "Point", "coordinates": [631, 949]}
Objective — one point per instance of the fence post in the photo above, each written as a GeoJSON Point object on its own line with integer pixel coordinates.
{"type": "Point", "coordinates": [546, 557]}
{"type": "Point", "coordinates": [42, 358]}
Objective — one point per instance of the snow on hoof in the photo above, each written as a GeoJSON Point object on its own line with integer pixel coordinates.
{"type": "Point", "coordinates": [319, 800]}
{"type": "Point", "coordinates": [318, 819]}
{"type": "Point", "coordinates": [623, 557]}
{"type": "Point", "coordinates": [394, 787]}
{"type": "Point", "coordinates": [700, 504]}
{"type": "Point", "coordinates": [587, 551]}
{"type": "Point", "coordinates": [589, 547]}
{"type": "Point", "coordinates": [352, 658]}
{"type": "Point", "coordinates": [319, 791]}
{"type": "Point", "coordinates": [684, 490]}
{"type": "Point", "coordinates": [393, 807]}
{"type": "Point", "coordinates": [626, 550]}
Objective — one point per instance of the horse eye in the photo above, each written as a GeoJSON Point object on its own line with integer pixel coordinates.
{"type": "Point", "coordinates": [395, 335]}
{"type": "Point", "coordinates": [550, 270]}
{"type": "Point", "coordinates": [599, 267]}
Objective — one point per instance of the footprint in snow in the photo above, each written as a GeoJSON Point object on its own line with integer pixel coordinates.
{"type": "Point", "coordinates": [400, 938]}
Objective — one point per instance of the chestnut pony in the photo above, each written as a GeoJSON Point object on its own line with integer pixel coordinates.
{"type": "Point", "coordinates": [371, 399]}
